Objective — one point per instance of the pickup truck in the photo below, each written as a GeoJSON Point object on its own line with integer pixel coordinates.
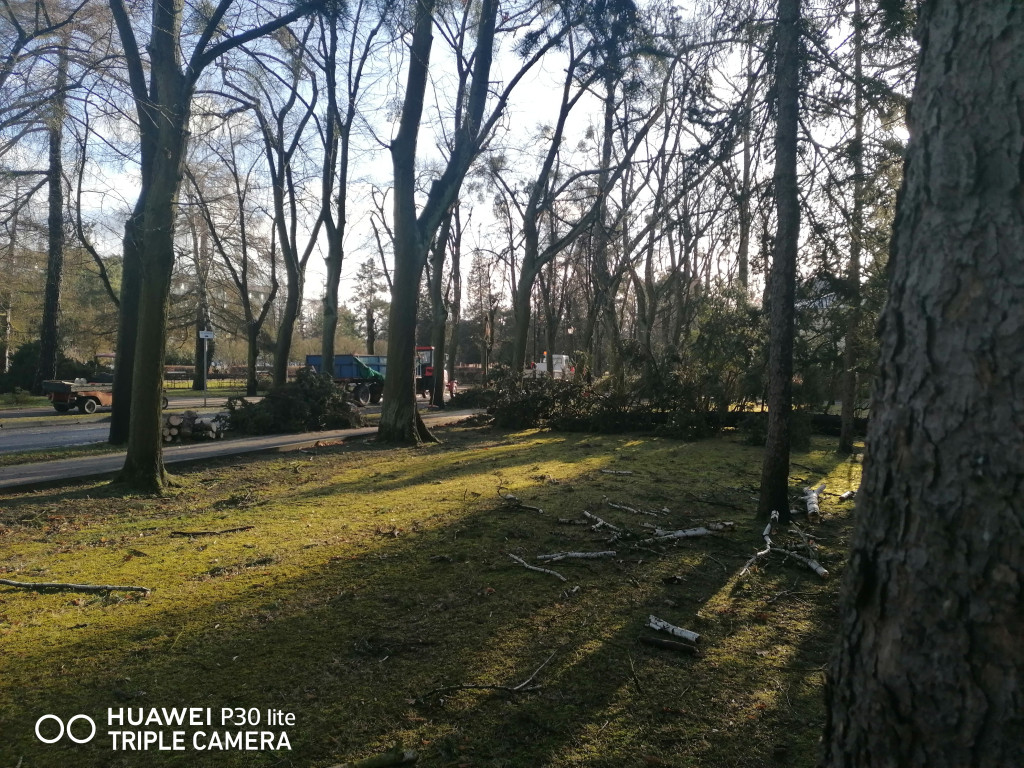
{"type": "Point", "coordinates": [87, 396]}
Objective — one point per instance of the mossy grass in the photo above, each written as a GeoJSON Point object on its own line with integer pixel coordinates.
{"type": "Point", "coordinates": [374, 576]}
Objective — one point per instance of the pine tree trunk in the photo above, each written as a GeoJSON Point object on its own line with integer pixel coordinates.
{"type": "Point", "coordinates": [930, 663]}
{"type": "Point", "coordinates": [851, 352]}
{"type": "Point", "coordinates": [782, 279]}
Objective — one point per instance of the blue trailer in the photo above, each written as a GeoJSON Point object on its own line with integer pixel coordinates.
{"type": "Point", "coordinates": [361, 375]}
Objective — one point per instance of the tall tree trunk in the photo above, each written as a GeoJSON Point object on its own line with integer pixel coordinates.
{"type": "Point", "coordinates": [930, 661]}
{"type": "Point", "coordinates": [252, 354]}
{"type": "Point", "coordinates": [456, 307]}
{"type": "Point", "coordinates": [851, 352]}
{"type": "Point", "coordinates": [775, 468]}
{"type": "Point", "coordinates": [522, 311]}
{"type": "Point", "coordinates": [438, 308]}
{"type": "Point", "coordinates": [285, 329]}
{"type": "Point", "coordinates": [48, 331]}
{"type": "Point", "coordinates": [127, 325]}
{"type": "Point", "coordinates": [201, 348]}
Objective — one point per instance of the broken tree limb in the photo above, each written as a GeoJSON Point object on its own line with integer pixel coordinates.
{"type": "Point", "coordinates": [814, 565]}
{"type": "Point", "coordinates": [212, 533]}
{"type": "Point", "coordinates": [663, 626]}
{"type": "Point", "coordinates": [576, 556]}
{"type": "Point", "coordinates": [599, 523]}
{"type": "Point", "coordinates": [72, 587]}
{"type": "Point", "coordinates": [616, 472]}
{"type": "Point", "coordinates": [519, 688]}
{"type": "Point", "coordinates": [632, 510]}
{"type": "Point", "coordinates": [767, 536]}
{"type": "Point", "coordinates": [806, 540]}
{"type": "Point", "coordinates": [847, 496]}
{"type": "Point", "coordinates": [671, 645]}
{"type": "Point", "coordinates": [526, 565]}
{"type": "Point", "coordinates": [689, 533]}
{"type": "Point", "coordinates": [395, 756]}
{"type": "Point", "coordinates": [811, 499]}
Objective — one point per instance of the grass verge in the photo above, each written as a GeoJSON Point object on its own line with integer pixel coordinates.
{"type": "Point", "coordinates": [373, 580]}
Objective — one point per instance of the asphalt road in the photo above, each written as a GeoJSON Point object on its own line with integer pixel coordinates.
{"type": "Point", "coordinates": [57, 433]}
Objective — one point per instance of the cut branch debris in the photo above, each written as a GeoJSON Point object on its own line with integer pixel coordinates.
{"type": "Point", "coordinates": [576, 556]}
{"type": "Point", "coordinates": [663, 626]}
{"type": "Point", "coordinates": [599, 523]}
{"type": "Point", "coordinates": [814, 565]}
{"type": "Point", "coordinates": [535, 568]}
{"type": "Point", "coordinates": [689, 533]}
{"type": "Point", "coordinates": [616, 472]}
{"type": "Point", "coordinates": [71, 587]}
{"type": "Point", "coordinates": [633, 510]}
{"type": "Point", "coordinates": [811, 499]}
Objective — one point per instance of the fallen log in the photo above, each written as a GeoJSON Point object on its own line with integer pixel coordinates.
{"type": "Point", "coordinates": [670, 645]}
{"type": "Point", "coordinates": [663, 626]}
{"type": "Point", "coordinates": [847, 496]}
{"type": "Point", "coordinates": [811, 499]}
{"type": "Point", "coordinates": [526, 565]}
{"type": "Point", "coordinates": [71, 587]}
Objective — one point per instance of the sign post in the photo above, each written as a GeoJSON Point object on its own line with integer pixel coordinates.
{"type": "Point", "coordinates": [205, 336]}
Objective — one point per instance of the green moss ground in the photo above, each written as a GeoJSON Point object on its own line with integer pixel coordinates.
{"type": "Point", "coordinates": [372, 577]}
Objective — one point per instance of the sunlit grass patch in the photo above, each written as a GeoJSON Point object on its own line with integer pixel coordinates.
{"type": "Point", "coordinates": [368, 584]}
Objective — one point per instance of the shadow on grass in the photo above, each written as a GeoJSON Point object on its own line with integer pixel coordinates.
{"type": "Point", "coordinates": [352, 628]}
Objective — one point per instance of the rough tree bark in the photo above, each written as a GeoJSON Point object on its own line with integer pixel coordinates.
{"type": "Point", "coordinates": [851, 352]}
{"type": "Point", "coordinates": [782, 279]}
{"type": "Point", "coordinates": [49, 330]}
{"type": "Point", "coordinates": [930, 663]}
{"type": "Point", "coordinates": [162, 90]}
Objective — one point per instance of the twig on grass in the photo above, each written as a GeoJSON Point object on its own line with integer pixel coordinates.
{"type": "Point", "coordinates": [72, 587]}
{"type": "Point", "coordinates": [522, 687]}
{"type": "Point", "coordinates": [555, 557]}
{"type": "Point", "coordinates": [526, 565]}
{"type": "Point", "coordinates": [212, 533]}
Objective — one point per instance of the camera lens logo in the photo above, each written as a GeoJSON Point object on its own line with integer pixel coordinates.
{"type": "Point", "coordinates": [64, 728]}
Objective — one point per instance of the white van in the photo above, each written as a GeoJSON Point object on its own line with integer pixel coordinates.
{"type": "Point", "coordinates": [562, 367]}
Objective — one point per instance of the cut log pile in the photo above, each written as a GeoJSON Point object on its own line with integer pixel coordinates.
{"type": "Point", "coordinates": [189, 425]}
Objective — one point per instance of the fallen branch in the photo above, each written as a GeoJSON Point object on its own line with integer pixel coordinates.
{"type": "Point", "coordinates": [513, 501]}
{"type": "Point", "coordinates": [396, 756]}
{"type": "Point", "coordinates": [847, 496]}
{"type": "Point", "coordinates": [71, 587]}
{"type": "Point", "coordinates": [808, 542]}
{"type": "Point", "coordinates": [663, 626]}
{"type": "Point", "coordinates": [811, 499]}
{"type": "Point", "coordinates": [633, 510]}
{"type": "Point", "coordinates": [570, 521]}
{"type": "Point", "coordinates": [212, 533]}
{"type": "Point", "coordinates": [535, 568]}
{"type": "Point", "coordinates": [616, 472]}
{"type": "Point", "coordinates": [599, 523]}
{"type": "Point", "coordinates": [576, 556]}
{"type": "Point", "coordinates": [671, 645]}
{"type": "Point", "coordinates": [767, 536]}
{"type": "Point", "coordinates": [814, 565]}
{"type": "Point", "coordinates": [520, 688]}
{"type": "Point", "coordinates": [689, 533]}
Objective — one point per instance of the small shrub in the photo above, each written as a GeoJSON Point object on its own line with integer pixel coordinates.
{"type": "Point", "coordinates": [311, 402]}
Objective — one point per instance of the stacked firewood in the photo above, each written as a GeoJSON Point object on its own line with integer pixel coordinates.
{"type": "Point", "coordinates": [189, 425]}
